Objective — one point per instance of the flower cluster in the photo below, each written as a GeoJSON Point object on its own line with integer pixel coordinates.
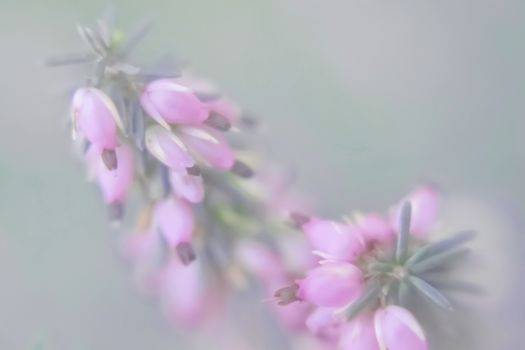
{"type": "Point", "coordinates": [366, 267]}
{"type": "Point", "coordinates": [161, 140]}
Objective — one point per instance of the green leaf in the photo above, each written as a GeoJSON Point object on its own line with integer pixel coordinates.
{"type": "Point", "coordinates": [430, 293]}
{"type": "Point", "coordinates": [369, 296]}
{"type": "Point", "coordinates": [436, 261]}
{"type": "Point", "coordinates": [404, 232]}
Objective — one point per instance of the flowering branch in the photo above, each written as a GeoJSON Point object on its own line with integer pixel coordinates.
{"type": "Point", "coordinates": [202, 227]}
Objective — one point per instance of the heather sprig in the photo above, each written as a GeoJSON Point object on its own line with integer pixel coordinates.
{"type": "Point", "coordinates": [206, 224]}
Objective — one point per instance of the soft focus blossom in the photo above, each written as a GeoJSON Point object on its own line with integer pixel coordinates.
{"type": "Point", "coordinates": [359, 334]}
{"type": "Point", "coordinates": [209, 146]}
{"type": "Point", "coordinates": [94, 115]}
{"type": "Point", "coordinates": [375, 228]}
{"type": "Point", "coordinates": [425, 205]}
{"type": "Point", "coordinates": [189, 187]}
{"type": "Point", "coordinates": [174, 220]}
{"type": "Point", "coordinates": [333, 284]}
{"type": "Point", "coordinates": [325, 323]}
{"type": "Point", "coordinates": [168, 149]}
{"type": "Point", "coordinates": [334, 241]}
{"type": "Point", "coordinates": [115, 183]}
{"type": "Point", "coordinates": [184, 294]}
{"type": "Point", "coordinates": [167, 101]}
{"type": "Point", "coordinates": [397, 329]}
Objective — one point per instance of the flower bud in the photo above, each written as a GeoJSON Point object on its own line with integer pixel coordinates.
{"type": "Point", "coordinates": [174, 220]}
{"type": "Point", "coordinates": [168, 149]}
{"type": "Point", "coordinates": [333, 284]}
{"type": "Point", "coordinates": [95, 117]}
{"type": "Point", "coordinates": [115, 183]}
{"type": "Point", "coordinates": [189, 187]}
{"type": "Point", "coordinates": [359, 334]}
{"type": "Point", "coordinates": [324, 323]}
{"type": "Point", "coordinates": [210, 146]}
{"type": "Point", "coordinates": [375, 228]}
{"type": "Point", "coordinates": [171, 103]}
{"type": "Point", "coordinates": [397, 329]}
{"type": "Point", "coordinates": [334, 241]}
{"type": "Point", "coordinates": [183, 293]}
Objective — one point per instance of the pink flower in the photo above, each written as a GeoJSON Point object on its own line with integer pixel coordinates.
{"type": "Point", "coordinates": [375, 228]}
{"type": "Point", "coordinates": [169, 149]}
{"type": "Point", "coordinates": [209, 146]}
{"type": "Point", "coordinates": [334, 241]}
{"type": "Point", "coordinates": [168, 102]}
{"type": "Point", "coordinates": [333, 284]}
{"type": "Point", "coordinates": [359, 334]}
{"type": "Point", "coordinates": [189, 187]}
{"type": "Point", "coordinates": [174, 220]}
{"type": "Point", "coordinates": [425, 203]}
{"type": "Point", "coordinates": [324, 323]}
{"type": "Point", "coordinates": [95, 116]}
{"type": "Point", "coordinates": [183, 294]}
{"type": "Point", "coordinates": [226, 108]}
{"type": "Point", "coordinates": [115, 183]}
{"type": "Point", "coordinates": [261, 262]}
{"type": "Point", "coordinates": [397, 329]}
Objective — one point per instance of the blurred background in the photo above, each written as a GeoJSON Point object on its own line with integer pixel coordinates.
{"type": "Point", "coordinates": [362, 98]}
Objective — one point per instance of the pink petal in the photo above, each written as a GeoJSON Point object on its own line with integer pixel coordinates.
{"type": "Point", "coordinates": [165, 100]}
{"type": "Point", "coordinates": [210, 146]}
{"type": "Point", "coordinates": [174, 219]}
{"type": "Point", "coordinates": [332, 284]}
{"type": "Point", "coordinates": [94, 114]}
{"type": "Point", "coordinates": [168, 149]}
{"type": "Point", "coordinates": [359, 334]}
{"type": "Point", "coordinates": [188, 186]}
{"type": "Point", "coordinates": [375, 228]}
{"type": "Point", "coordinates": [116, 183]}
{"type": "Point", "coordinates": [334, 241]}
{"type": "Point", "coordinates": [397, 329]}
{"type": "Point", "coordinates": [324, 323]}
{"type": "Point", "coordinates": [425, 203]}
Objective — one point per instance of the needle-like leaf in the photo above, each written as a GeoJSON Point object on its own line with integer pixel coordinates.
{"type": "Point", "coordinates": [369, 296]}
{"type": "Point", "coordinates": [430, 292]}
{"type": "Point", "coordinates": [404, 232]}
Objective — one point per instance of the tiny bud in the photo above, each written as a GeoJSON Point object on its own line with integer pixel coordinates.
{"type": "Point", "coordinates": [287, 295]}
{"type": "Point", "coordinates": [185, 253]}
{"type": "Point", "coordinates": [218, 122]}
{"type": "Point", "coordinates": [299, 220]}
{"type": "Point", "coordinates": [241, 169]}
{"type": "Point", "coordinates": [109, 157]}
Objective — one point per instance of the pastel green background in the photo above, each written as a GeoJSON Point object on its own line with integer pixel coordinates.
{"type": "Point", "coordinates": [362, 98]}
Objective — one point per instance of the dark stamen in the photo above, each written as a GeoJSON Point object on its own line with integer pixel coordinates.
{"type": "Point", "coordinates": [218, 122]}
{"type": "Point", "coordinates": [109, 157]}
{"type": "Point", "coordinates": [241, 169]}
{"type": "Point", "coordinates": [186, 253]}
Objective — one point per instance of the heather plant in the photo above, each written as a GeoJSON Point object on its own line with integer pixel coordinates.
{"type": "Point", "coordinates": [170, 153]}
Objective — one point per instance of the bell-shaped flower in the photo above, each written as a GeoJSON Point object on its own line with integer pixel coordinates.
{"type": "Point", "coordinates": [95, 116]}
{"type": "Point", "coordinates": [183, 294]}
{"type": "Point", "coordinates": [115, 183]}
{"type": "Point", "coordinates": [209, 146]}
{"type": "Point", "coordinates": [425, 204]}
{"type": "Point", "coordinates": [174, 220]}
{"type": "Point", "coordinates": [397, 329]}
{"type": "Point", "coordinates": [325, 323]}
{"type": "Point", "coordinates": [189, 187]}
{"type": "Point", "coordinates": [332, 284]}
{"type": "Point", "coordinates": [168, 102]}
{"type": "Point", "coordinates": [169, 149]}
{"type": "Point", "coordinates": [359, 334]}
{"type": "Point", "coordinates": [374, 228]}
{"type": "Point", "coordinates": [332, 240]}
